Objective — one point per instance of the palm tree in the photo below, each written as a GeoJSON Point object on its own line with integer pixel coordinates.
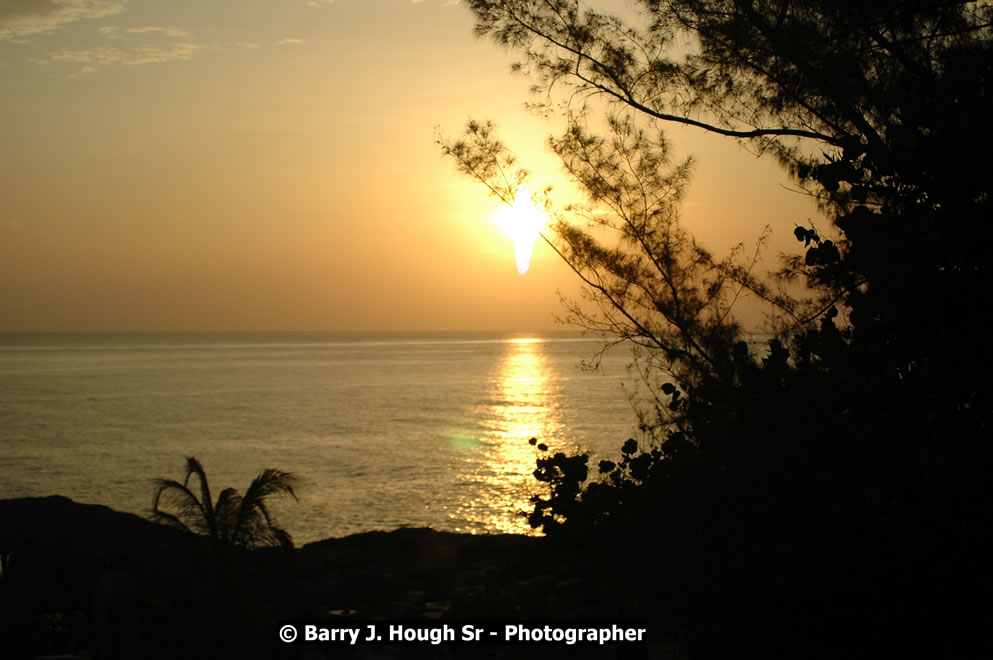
{"type": "Point", "coordinates": [235, 519]}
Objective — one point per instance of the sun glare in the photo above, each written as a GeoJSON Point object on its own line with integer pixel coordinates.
{"type": "Point", "coordinates": [521, 223]}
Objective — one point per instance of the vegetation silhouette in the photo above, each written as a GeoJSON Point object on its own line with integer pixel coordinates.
{"type": "Point", "coordinates": [242, 555]}
{"type": "Point", "coordinates": [829, 492]}
{"type": "Point", "coordinates": [234, 519]}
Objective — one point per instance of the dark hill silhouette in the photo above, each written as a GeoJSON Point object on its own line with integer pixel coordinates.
{"type": "Point", "coordinates": [65, 560]}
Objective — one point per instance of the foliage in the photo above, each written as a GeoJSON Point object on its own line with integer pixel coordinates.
{"type": "Point", "coordinates": [878, 110]}
{"type": "Point", "coordinates": [859, 441]}
{"type": "Point", "coordinates": [234, 519]}
{"type": "Point", "coordinates": [656, 287]}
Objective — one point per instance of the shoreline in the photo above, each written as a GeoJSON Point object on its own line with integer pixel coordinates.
{"type": "Point", "coordinates": [58, 555]}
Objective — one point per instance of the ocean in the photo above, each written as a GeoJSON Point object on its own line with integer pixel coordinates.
{"type": "Point", "coordinates": [384, 430]}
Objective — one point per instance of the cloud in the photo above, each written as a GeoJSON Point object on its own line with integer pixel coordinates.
{"type": "Point", "coordinates": [287, 41]}
{"type": "Point", "coordinates": [105, 55]}
{"type": "Point", "coordinates": [20, 19]}
{"type": "Point", "coordinates": [169, 31]}
{"type": "Point", "coordinates": [116, 32]}
{"type": "Point", "coordinates": [147, 44]}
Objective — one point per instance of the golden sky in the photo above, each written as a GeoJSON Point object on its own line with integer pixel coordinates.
{"type": "Point", "coordinates": [271, 165]}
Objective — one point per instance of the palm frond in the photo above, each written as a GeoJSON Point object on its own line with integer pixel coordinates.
{"type": "Point", "coordinates": [234, 519]}
{"type": "Point", "coordinates": [272, 482]}
{"type": "Point", "coordinates": [255, 525]}
{"type": "Point", "coordinates": [277, 537]}
{"type": "Point", "coordinates": [189, 513]}
{"type": "Point", "coordinates": [193, 467]}
{"type": "Point", "coordinates": [226, 513]}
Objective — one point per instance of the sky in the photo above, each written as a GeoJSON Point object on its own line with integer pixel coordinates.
{"type": "Point", "coordinates": [219, 165]}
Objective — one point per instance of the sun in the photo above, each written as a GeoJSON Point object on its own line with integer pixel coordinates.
{"type": "Point", "coordinates": [521, 223]}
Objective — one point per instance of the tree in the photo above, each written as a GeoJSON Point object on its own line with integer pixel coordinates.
{"type": "Point", "coordinates": [879, 111]}
{"type": "Point", "coordinates": [862, 435]}
{"type": "Point", "coordinates": [234, 519]}
{"type": "Point", "coordinates": [657, 288]}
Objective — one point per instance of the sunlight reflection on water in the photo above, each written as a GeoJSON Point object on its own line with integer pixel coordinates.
{"type": "Point", "coordinates": [523, 404]}
{"type": "Point", "coordinates": [384, 430]}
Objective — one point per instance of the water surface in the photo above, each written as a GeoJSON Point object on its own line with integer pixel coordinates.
{"type": "Point", "coordinates": [385, 430]}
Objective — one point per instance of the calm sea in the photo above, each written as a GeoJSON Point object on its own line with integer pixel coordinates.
{"type": "Point", "coordinates": [384, 430]}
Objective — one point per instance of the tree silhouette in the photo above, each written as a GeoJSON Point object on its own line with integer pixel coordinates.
{"type": "Point", "coordinates": [877, 110]}
{"type": "Point", "coordinates": [655, 287]}
{"type": "Point", "coordinates": [234, 519]}
{"type": "Point", "coordinates": [858, 442]}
